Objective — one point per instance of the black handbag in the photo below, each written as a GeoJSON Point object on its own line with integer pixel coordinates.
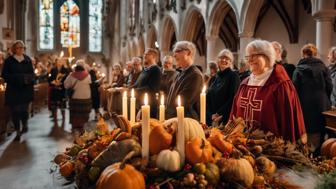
{"type": "Point", "coordinates": [71, 91]}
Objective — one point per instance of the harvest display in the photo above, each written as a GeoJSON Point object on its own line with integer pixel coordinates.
{"type": "Point", "coordinates": [232, 156]}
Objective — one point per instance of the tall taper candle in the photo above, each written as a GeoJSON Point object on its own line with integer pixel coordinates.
{"type": "Point", "coordinates": [132, 120]}
{"type": "Point", "coordinates": [180, 140]}
{"type": "Point", "coordinates": [203, 106]}
{"type": "Point", "coordinates": [162, 110]}
{"type": "Point", "coordinates": [124, 105]}
{"type": "Point", "coordinates": [145, 110]}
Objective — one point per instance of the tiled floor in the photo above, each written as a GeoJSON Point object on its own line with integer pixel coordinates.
{"type": "Point", "coordinates": [27, 164]}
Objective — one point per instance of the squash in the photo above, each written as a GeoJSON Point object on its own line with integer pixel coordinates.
{"type": "Point", "coordinates": [199, 168]}
{"type": "Point", "coordinates": [122, 123]}
{"type": "Point", "coordinates": [265, 165]}
{"type": "Point", "coordinates": [95, 149]}
{"type": "Point", "coordinates": [115, 152]}
{"type": "Point", "coordinates": [332, 150]}
{"type": "Point", "coordinates": [61, 158]}
{"type": "Point", "coordinates": [94, 173]}
{"type": "Point", "coordinates": [237, 170]}
{"type": "Point", "coordinates": [198, 151]}
{"type": "Point", "coordinates": [216, 139]}
{"type": "Point", "coordinates": [192, 128]}
{"type": "Point", "coordinates": [212, 174]}
{"type": "Point", "coordinates": [67, 168]}
{"type": "Point", "coordinates": [168, 160]}
{"type": "Point", "coordinates": [121, 176]}
{"type": "Point", "coordinates": [159, 139]}
{"type": "Point", "coordinates": [326, 147]}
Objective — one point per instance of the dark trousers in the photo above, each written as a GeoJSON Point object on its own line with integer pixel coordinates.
{"type": "Point", "coordinates": [19, 113]}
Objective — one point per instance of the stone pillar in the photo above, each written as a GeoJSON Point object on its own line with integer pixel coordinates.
{"type": "Point", "coordinates": [324, 32]}
{"type": "Point", "coordinates": [244, 39]}
{"type": "Point", "coordinates": [211, 48]}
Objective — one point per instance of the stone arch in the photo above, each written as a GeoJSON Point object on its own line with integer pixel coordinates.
{"type": "Point", "coordinates": [151, 37]}
{"type": "Point", "coordinates": [248, 17]}
{"type": "Point", "coordinates": [190, 23]}
{"type": "Point", "coordinates": [168, 34]}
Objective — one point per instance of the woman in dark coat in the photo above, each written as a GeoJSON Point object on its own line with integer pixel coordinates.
{"type": "Point", "coordinates": [222, 90]}
{"type": "Point", "coordinates": [19, 75]}
{"type": "Point", "coordinates": [56, 79]}
{"type": "Point", "coordinates": [313, 84]}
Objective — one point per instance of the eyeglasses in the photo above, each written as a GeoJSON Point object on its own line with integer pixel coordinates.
{"type": "Point", "coordinates": [253, 56]}
{"type": "Point", "coordinates": [224, 58]}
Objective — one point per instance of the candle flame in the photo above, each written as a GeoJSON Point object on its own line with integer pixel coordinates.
{"type": "Point", "coordinates": [132, 93]}
{"type": "Point", "coordinates": [36, 71]}
{"type": "Point", "coordinates": [204, 88]}
{"type": "Point", "coordinates": [162, 99]}
{"type": "Point", "coordinates": [61, 54]}
{"type": "Point", "coordinates": [178, 100]}
{"type": "Point", "coordinates": [146, 99]}
{"type": "Point", "coordinates": [125, 93]}
{"type": "Point", "coordinates": [103, 75]}
{"type": "Point", "coordinates": [94, 64]}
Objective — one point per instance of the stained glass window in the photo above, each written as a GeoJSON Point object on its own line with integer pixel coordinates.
{"type": "Point", "coordinates": [46, 25]}
{"type": "Point", "coordinates": [95, 25]}
{"type": "Point", "coordinates": [70, 27]}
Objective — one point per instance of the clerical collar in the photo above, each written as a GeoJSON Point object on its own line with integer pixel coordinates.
{"type": "Point", "coordinates": [259, 80]}
{"type": "Point", "coordinates": [19, 58]}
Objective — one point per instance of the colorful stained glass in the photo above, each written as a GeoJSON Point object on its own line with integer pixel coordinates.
{"type": "Point", "coordinates": [70, 27]}
{"type": "Point", "coordinates": [46, 23]}
{"type": "Point", "coordinates": [95, 25]}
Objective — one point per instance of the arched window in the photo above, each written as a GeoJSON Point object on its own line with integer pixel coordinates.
{"type": "Point", "coordinates": [95, 25]}
{"type": "Point", "coordinates": [46, 25]}
{"type": "Point", "coordinates": [69, 25]}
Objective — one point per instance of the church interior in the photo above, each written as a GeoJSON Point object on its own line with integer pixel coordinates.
{"type": "Point", "coordinates": [167, 94]}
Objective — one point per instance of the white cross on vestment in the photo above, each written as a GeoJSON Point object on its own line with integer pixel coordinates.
{"type": "Point", "coordinates": [250, 104]}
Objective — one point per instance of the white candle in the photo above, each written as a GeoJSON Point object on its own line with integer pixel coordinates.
{"type": "Point", "coordinates": [124, 105]}
{"type": "Point", "coordinates": [145, 113]}
{"type": "Point", "coordinates": [162, 110]}
{"type": "Point", "coordinates": [61, 54]}
{"type": "Point", "coordinates": [132, 107]}
{"type": "Point", "coordinates": [180, 139]}
{"type": "Point", "coordinates": [203, 106]}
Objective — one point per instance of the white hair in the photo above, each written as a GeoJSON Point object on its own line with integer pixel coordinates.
{"type": "Point", "coordinates": [186, 45]}
{"type": "Point", "coordinates": [262, 47]}
{"type": "Point", "coordinates": [227, 53]}
{"type": "Point", "coordinates": [136, 59]}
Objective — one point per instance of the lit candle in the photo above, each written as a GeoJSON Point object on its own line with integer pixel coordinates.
{"type": "Point", "coordinates": [145, 109]}
{"type": "Point", "coordinates": [162, 110]}
{"type": "Point", "coordinates": [180, 139]}
{"type": "Point", "coordinates": [132, 107]}
{"type": "Point", "coordinates": [203, 106]}
{"type": "Point", "coordinates": [124, 105]}
{"type": "Point", "coordinates": [61, 54]}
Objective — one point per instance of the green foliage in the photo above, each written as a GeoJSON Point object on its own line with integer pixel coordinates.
{"type": "Point", "coordinates": [328, 181]}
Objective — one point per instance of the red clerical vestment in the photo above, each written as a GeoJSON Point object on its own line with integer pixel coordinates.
{"type": "Point", "coordinates": [274, 107]}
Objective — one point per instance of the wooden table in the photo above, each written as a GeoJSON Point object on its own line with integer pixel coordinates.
{"type": "Point", "coordinates": [330, 117]}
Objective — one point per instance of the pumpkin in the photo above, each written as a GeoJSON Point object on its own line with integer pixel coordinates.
{"type": "Point", "coordinates": [122, 123]}
{"type": "Point", "coordinates": [95, 149]}
{"type": "Point", "coordinates": [121, 176]}
{"type": "Point", "coordinates": [67, 168]}
{"type": "Point", "coordinates": [216, 139]}
{"type": "Point", "coordinates": [212, 174]}
{"type": "Point", "coordinates": [168, 160]}
{"type": "Point", "coordinates": [326, 147]}
{"type": "Point", "coordinates": [159, 139]}
{"type": "Point", "coordinates": [333, 150]}
{"type": "Point", "coordinates": [192, 128]}
{"type": "Point", "coordinates": [198, 150]}
{"type": "Point", "coordinates": [199, 168]}
{"type": "Point", "coordinates": [250, 159]}
{"type": "Point", "coordinates": [265, 165]}
{"type": "Point", "coordinates": [238, 170]}
{"type": "Point", "coordinates": [61, 158]}
{"type": "Point", "coordinates": [116, 151]}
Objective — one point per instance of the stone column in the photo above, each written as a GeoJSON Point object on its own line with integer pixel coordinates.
{"type": "Point", "coordinates": [211, 48]}
{"type": "Point", "coordinates": [324, 32]}
{"type": "Point", "coordinates": [245, 38]}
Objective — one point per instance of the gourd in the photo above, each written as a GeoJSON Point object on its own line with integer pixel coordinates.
{"type": "Point", "coordinates": [328, 148]}
{"type": "Point", "coordinates": [198, 151]}
{"type": "Point", "coordinates": [192, 128]}
{"type": "Point", "coordinates": [159, 139]}
{"type": "Point", "coordinates": [168, 160]}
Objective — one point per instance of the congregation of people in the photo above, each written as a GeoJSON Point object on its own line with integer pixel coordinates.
{"type": "Point", "coordinates": [264, 89]}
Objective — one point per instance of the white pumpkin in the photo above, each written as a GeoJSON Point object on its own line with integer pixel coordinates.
{"type": "Point", "coordinates": [192, 127]}
{"type": "Point", "coordinates": [168, 160]}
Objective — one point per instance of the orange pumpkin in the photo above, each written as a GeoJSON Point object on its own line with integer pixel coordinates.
{"type": "Point", "coordinates": [159, 139]}
{"type": "Point", "coordinates": [121, 176]}
{"type": "Point", "coordinates": [67, 168]}
{"type": "Point", "coordinates": [216, 139]}
{"type": "Point", "coordinates": [326, 148]}
{"type": "Point", "coordinates": [198, 151]}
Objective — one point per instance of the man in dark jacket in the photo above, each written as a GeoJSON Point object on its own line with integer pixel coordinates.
{"type": "Point", "coordinates": [19, 75]}
{"type": "Point", "coordinates": [168, 74]}
{"type": "Point", "coordinates": [188, 84]}
{"type": "Point", "coordinates": [149, 80]}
